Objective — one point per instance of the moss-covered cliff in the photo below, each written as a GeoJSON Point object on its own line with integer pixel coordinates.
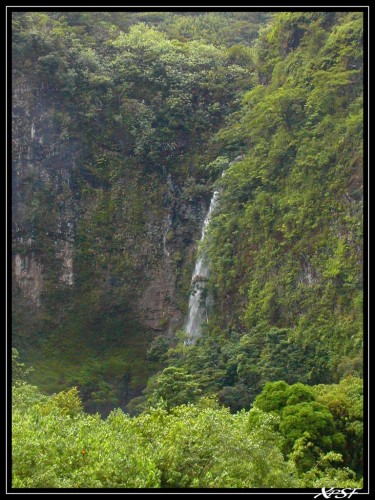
{"type": "Point", "coordinates": [112, 122]}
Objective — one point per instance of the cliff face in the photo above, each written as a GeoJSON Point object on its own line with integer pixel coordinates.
{"type": "Point", "coordinates": [50, 208]}
{"type": "Point", "coordinates": [103, 237]}
{"type": "Point", "coordinates": [44, 205]}
{"type": "Point", "coordinates": [174, 236]}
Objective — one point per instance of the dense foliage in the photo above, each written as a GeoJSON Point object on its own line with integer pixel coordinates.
{"type": "Point", "coordinates": [285, 244]}
{"type": "Point", "coordinates": [145, 111]}
{"type": "Point", "coordinates": [57, 445]}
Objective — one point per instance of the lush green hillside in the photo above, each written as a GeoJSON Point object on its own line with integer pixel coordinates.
{"type": "Point", "coordinates": [285, 244]}
{"type": "Point", "coordinates": [123, 124]}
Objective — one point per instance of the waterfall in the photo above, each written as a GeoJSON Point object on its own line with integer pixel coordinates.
{"type": "Point", "coordinates": [197, 309]}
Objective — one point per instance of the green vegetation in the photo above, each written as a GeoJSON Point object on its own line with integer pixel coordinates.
{"type": "Point", "coordinates": [127, 108]}
{"type": "Point", "coordinates": [57, 445]}
{"type": "Point", "coordinates": [284, 248]}
{"type": "Point", "coordinates": [135, 117]}
{"type": "Point", "coordinates": [285, 244]}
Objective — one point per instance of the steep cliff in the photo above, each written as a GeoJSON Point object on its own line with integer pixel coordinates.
{"type": "Point", "coordinates": [111, 133]}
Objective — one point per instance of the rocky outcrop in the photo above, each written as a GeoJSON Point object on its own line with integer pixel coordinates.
{"type": "Point", "coordinates": [179, 230]}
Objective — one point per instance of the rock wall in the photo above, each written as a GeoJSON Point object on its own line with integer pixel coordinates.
{"type": "Point", "coordinates": [28, 274]}
{"type": "Point", "coordinates": [50, 180]}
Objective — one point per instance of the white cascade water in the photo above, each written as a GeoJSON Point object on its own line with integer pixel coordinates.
{"type": "Point", "coordinates": [197, 310]}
